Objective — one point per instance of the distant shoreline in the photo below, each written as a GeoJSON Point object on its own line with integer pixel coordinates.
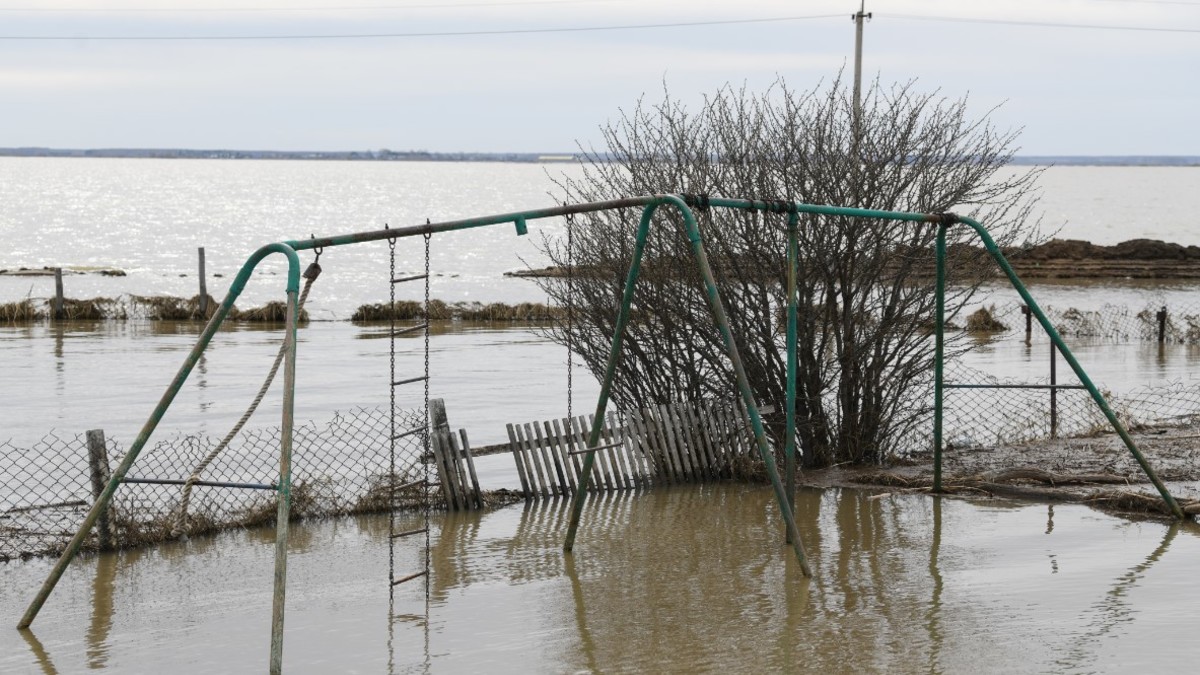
{"type": "Point", "coordinates": [515, 157]}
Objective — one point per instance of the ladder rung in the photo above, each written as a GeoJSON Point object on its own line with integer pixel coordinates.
{"type": "Point", "coordinates": [410, 533]}
{"type": "Point", "coordinates": [400, 280]}
{"type": "Point", "coordinates": [405, 331]}
{"type": "Point", "coordinates": [410, 432]}
{"type": "Point", "coordinates": [204, 483]}
{"type": "Point", "coordinates": [410, 380]}
{"type": "Point", "coordinates": [598, 447]}
{"type": "Point", "coordinates": [410, 577]}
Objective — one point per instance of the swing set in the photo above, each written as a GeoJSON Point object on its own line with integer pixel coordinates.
{"type": "Point", "coordinates": [784, 487]}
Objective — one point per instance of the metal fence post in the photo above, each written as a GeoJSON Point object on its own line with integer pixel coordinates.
{"type": "Point", "coordinates": [100, 474]}
{"type": "Point", "coordinates": [1162, 324]}
{"type": "Point", "coordinates": [1053, 390]}
{"type": "Point", "coordinates": [203, 288]}
{"type": "Point", "coordinates": [58, 294]}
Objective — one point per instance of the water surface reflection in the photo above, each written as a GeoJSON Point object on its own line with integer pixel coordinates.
{"type": "Point", "coordinates": [681, 579]}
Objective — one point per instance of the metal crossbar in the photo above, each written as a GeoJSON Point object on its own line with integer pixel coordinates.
{"type": "Point", "coordinates": [409, 432]}
{"type": "Point", "coordinates": [414, 329]}
{"type": "Point", "coordinates": [410, 380]}
{"type": "Point", "coordinates": [416, 575]}
{"type": "Point", "coordinates": [203, 483]}
{"type": "Point", "coordinates": [415, 277]}
{"type": "Point", "coordinates": [1014, 386]}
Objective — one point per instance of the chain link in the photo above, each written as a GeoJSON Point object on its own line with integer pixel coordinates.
{"type": "Point", "coordinates": [426, 450]}
{"type": "Point", "coordinates": [570, 315]}
{"type": "Point", "coordinates": [392, 420]}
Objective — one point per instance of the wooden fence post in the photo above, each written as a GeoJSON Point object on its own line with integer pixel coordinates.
{"type": "Point", "coordinates": [203, 288]}
{"type": "Point", "coordinates": [1161, 315]}
{"type": "Point", "coordinates": [58, 294]}
{"type": "Point", "coordinates": [439, 446]}
{"type": "Point", "coordinates": [100, 474]}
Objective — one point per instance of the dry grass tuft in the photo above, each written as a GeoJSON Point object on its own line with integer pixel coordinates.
{"type": "Point", "coordinates": [20, 312]}
{"type": "Point", "coordinates": [272, 312]}
{"type": "Point", "coordinates": [983, 320]}
{"type": "Point", "coordinates": [407, 310]}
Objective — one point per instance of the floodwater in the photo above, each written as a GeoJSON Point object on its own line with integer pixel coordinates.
{"type": "Point", "coordinates": [109, 375]}
{"type": "Point", "coordinates": [677, 580]}
{"type": "Point", "coordinates": [687, 579]}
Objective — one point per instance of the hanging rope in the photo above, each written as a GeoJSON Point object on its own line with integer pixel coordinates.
{"type": "Point", "coordinates": [185, 498]}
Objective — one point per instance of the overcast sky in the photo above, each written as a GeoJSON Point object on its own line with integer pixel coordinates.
{"type": "Point", "coordinates": [1074, 90]}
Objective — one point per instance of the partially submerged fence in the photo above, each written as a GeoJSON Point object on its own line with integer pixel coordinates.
{"type": "Point", "coordinates": [664, 445]}
{"type": "Point", "coordinates": [341, 468]}
{"type": "Point", "coordinates": [1158, 321]}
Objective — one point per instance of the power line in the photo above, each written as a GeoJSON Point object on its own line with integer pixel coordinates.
{"type": "Point", "coordinates": [572, 29]}
{"type": "Point", "coordinates": [249, 10]}
{"type": "Point", "coordinates": [1157, 2]}
{"type": "Point", "coordinates": [355, 36]}
{"type": "Point", "coordinates": [1040, 24]}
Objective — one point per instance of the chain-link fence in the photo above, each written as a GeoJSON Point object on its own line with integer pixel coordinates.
{"type": "Point", "coordinates": [339, 467]}
{"type": "Point", "coordinates": [1175, 323]}
{"type": "Point", "coordinates": [1002, 412]}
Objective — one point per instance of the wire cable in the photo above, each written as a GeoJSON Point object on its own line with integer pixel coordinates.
{"type": "Point", "coordinates": [256, 10]}
{"type": "Point", "coordinates": [355, 36]}
{"type": "Point", "coordinates": [1038, 24]}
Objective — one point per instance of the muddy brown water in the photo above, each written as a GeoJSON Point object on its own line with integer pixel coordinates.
{"type": "Point", "coordinates": [688, 579]}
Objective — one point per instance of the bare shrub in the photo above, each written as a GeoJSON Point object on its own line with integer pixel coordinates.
{"type": "Point", "coordinates": [866, 285]}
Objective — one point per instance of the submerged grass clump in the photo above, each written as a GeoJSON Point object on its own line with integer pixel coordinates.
{"type": "Point", "coordinates": [272, 312]}
{"type": "Point", "coordinates": [402, 310]}
{"type": "Point", "coordinates": [407, 310]}
{"type": "Point", "coordinates": [20, 312]}
{"type": "Point", "coordinates": [499, 311]}
{"type": "Point", "coordinates": [984, 320]}
{"type": "Point", "coordinates": [170, 308]}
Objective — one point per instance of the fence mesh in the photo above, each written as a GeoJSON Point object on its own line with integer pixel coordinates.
{"type": "Point", "coordinates": [1180, 321]}
{"type": "Point", "coordinates": [339, 467]}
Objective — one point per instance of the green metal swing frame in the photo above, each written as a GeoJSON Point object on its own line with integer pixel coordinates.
{"type": "Point", "coordinates": [784, 488]}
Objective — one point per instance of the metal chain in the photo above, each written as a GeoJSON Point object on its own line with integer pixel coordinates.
{"type": "Point", "coordinates": [426, 449]}
{"type": "Point", "coordinates": [570, 316]}
{"type": "Point", "coordinates": [392, 424]}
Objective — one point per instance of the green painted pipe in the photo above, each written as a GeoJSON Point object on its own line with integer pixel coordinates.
{"type": "Point", "coordinates": [760, 435]}
{"type": "Point", "coordinates": [939, 346]}
{"type": "Point", "coordinates": [994, 250]}
{"type": "Point", "coordinates": [789, 446]}
{"type": "Point", "coordinates": [610, 370]}
{"type": "Point", "coordinates": [139, 443]}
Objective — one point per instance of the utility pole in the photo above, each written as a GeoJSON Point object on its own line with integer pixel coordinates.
{"type": "Point", "coordinates": [858, 37]}
{"type": "Point", "coordinates": [857, 112]}
{"type": "Point", "coordinates": [858, 52]}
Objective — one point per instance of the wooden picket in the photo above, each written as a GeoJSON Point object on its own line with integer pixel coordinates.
{"type": "Point", "coordinates": [664, 445]}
